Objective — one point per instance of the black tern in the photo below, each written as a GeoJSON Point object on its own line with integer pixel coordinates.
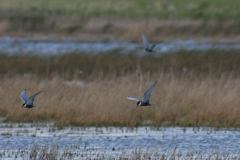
{"type": "Point", "coordinates": [146, 97]}
{"type": "Point", "coordinates": [149, 48]}
{"type": "Point", "coordinates": [28, 101]}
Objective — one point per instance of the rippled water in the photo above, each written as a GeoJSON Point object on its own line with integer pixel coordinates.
{"type": "Point", "coordinates": [114, 140]}
{"type": "Point", "coordinates": [50, 47]}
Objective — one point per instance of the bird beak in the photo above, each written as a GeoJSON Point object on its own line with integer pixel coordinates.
{"type": "Point", "coordinates": [137, 106]}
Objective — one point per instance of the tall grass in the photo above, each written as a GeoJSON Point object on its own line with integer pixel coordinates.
{"type": "Point", "coordinates": [180, 102]}
{"type": "Point", "coordinates": [192, 90]}
{"type": "Point", "coordinates": [215, 64]}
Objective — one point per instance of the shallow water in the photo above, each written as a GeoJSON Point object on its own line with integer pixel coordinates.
{"type": "Point", "coordinates": [114, 140]}
{"type": "Point", "coordinates": [49, 47]}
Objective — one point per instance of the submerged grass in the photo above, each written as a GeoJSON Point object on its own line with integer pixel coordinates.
{"type": "Point", "coordinates": [193, 89]}
{"type": "Point", "coordinates": [76, 151]}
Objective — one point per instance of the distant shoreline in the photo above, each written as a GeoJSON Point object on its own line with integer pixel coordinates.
{"type": "Point", "coordinates": [101, 30]}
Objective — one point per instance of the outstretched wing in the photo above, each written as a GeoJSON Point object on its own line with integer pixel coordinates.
{"type": "Point", "coordinates": [134, 99]}
{"type": "Point", "coordinates": [154, 45]}
{"type": "Point", "coordinates": [147, 95]}
{"type": "Point", "coordinates": [31, 99]}
{"type": "Point", "coordinates": [23, 96]}
{"type": "Point", "coordinates": [145, 40]}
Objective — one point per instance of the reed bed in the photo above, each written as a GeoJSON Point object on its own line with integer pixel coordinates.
{"type": "Point", "coordinates": [193, 89]}
{"type": "Point", "coordinates": [181, 102]}
{"type": "Point", "coordinates": [193, 65]}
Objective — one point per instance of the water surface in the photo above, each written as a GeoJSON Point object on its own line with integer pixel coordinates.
{"type": "Point", "coordinates": [116, 140]}
{"type": "Point", "coordinates": [50, 47]}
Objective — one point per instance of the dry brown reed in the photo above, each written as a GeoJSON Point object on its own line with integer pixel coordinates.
{"type": "Point", "coordinates": [193, 89]}
{"type": "Point", "coordinates": [177, 101]}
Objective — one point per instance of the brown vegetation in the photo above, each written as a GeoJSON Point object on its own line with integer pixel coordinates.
{"type": "Point", "coordinates": [183, 102]}
{"type": "Point", "coordinates": [193, 89]}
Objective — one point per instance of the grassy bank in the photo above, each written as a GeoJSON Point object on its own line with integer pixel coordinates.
{"type": "Point", "coordinates": [193, 89]}
{"type": "Point", "coordinates": [202, 9]}
{"type": "Point", "coordinates": [215, 64]}
{"type": "Point", "coordinates": [126, 19]}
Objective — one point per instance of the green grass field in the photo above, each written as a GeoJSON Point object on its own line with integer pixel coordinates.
{"type": "Point", "coordinates": [121, 19]}
{"type": "Point", "coordinates": [174, 9]}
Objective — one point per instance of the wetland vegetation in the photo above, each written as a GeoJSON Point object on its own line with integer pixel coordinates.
{"type": "Point", "coordinates": [108, 19]}
{"type": "Point", "coordinates": [193, 89]}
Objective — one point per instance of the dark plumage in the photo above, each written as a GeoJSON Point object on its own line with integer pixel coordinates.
{"type": "Point", "coordinates": [146, 97]}
{"type": "Point", "coordinates": [28, 101]}
{"type": "Point", "coordinates": [149, 48]}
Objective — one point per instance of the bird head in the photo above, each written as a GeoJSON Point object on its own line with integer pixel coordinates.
{"type": "Point", "coordinates": [24, 104]}
{"type": "Point", "coordinates": [138, 104]}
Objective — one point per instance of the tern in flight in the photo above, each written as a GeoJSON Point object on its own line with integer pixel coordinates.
{"type": "Point", "coordinates": [28, 101]}
{"type": "Point", "coordinates": [149, 48]}
{"type": "Point", "coordinates": [146, 97]}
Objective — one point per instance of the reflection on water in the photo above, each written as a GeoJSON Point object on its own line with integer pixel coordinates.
{"type": "Point", "coordinates": [50, 47]}
{"type": "Point", "coordinates": [116, 139]}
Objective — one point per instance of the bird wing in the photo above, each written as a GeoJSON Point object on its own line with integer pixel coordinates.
{"type": "Point", "coordinates": [31, 99]}
{"type": "Point", "coordinates": [145, 40]}
{"type": "Point", "coordinates": [154, 45]}
{"type": "Point", "coordinates": [147, 95]}
{"type": "Point", "coordinates": [134, 99]}
{"type": "Point", "coordinates": [23, 96]}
